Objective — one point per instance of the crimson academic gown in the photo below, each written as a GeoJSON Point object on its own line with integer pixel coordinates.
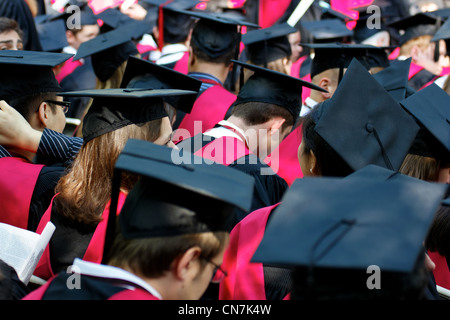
{"type": "Point", "coordinates": [442, 271]}
{"type": "Point", "coordinates": [210, 107]}
{"type": "Point", "coordinates": [70, 241]}
{"type": "Point", "coordinates": [251, 280]}
{"type": "Point", "coordinates": [233, 152]}
{"type": "Point", "coordinates": [26, 190]}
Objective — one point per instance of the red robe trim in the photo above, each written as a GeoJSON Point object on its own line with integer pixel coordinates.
{"type": "Point", "coordinates": [68, 67]}
{"type": "Point", "coordinates": [441, 273]}
{"type": "Point", "coordinates": [224, 150]}
{"type": "Point", "coordinates": [209, 109]}
{"type": "Point", "coordinates": [94, 251]}
{"type": "Point", "coordinates": [182, 64]}
{"type": "Point", "coordinates": [284, 160]}
{"type": "Point", "coordinates": [245, 280]}
{"type": "Point", "coordinates": [17, 183]}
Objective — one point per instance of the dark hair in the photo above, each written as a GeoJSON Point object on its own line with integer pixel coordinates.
{"type": "Point", "coordinates": [28, 104]}
{"type": "Point", "coordinates": [226, 55]}
{"type": "Point", "coordinates": [254, 113]}
{"type": "Point", "coordinates": [7, 24]}
{"type": "Point", "coordinates": [438, 238]}
{"type": "Point", "coordinates": [152, 257]}
{"type": "Point", "coordinates": [177, 27]}
{"type": "Point", "coordinates": [329, 163]}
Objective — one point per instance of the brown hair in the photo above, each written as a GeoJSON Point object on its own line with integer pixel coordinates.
{"type": "Point", "coordinates": [7, 24]}
{"type": "Point", "coordinates": [86, 189]}
{"type": "Point", "coordinates": [424, 168]}
{"type": "Point", "coordinates": [422, 42]}
{"type": "Point", "coordinates": [152, 257]}
{"type": "Point", "coordinates": [254, 113]}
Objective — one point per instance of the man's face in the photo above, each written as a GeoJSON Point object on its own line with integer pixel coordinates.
{"type": "Point", "coordinates": [88, 32]}
{"type": "Point", "coordinates": [10, 40]}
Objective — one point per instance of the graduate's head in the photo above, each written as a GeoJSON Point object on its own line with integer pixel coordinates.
{"type": "Point", "coordinates": [214, 42]}
{"type": "Point", "coordinates": [269, 101]}
{"type": "Point", "coordinates": [429, 155]}
{"type": "Point", "coordinates": [10, 34]}
{"type": "Point", "coordinates": [144, 74]}
{"type": "Point", "coordinates": [109, 53]}
{"type": "Point", "coordinates": [331, 61]}
{"type": "Point", "coordinates": [270, 47]}
{"type": "Point", "coordinates": [361, 123]}
{"type": "Point", "coordinates": [81, 25]}
{"type": "Point", "coordinates": [29, 85]}
{"type": "Point", "coordinates": [172, 230]}
{"type": "Point", "coordinates": [345, 245]}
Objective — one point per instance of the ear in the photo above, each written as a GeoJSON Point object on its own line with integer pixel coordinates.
{"type": "Point", "coordinates": [187, 265]}
{"type": "Point", "coordinates": [325, 83]}
{"type": "Point", "coordinates": [191, 57]}
{"type": "Point", "coordinates": [415, 52]}
{"type": "Point", "coordinates": [155, 32]}
{"type": "Point", "coordinates": [312, 162]}
{"type": "Point", "coordinates": [43, 112]}
{"type": "Point", "coordinates": [275, 125]}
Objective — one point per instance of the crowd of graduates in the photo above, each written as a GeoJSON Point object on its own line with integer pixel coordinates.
{"type": "Point", "coordinates": [227, 150]}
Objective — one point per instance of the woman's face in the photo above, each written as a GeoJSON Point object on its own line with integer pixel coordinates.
{"type": "Point", "coordinates": [165, 134]}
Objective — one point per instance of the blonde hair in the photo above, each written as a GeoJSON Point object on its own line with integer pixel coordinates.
{"type": "Point", "coordinates": [422, 42]}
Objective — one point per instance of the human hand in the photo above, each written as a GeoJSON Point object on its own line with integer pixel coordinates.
{"type": "Point", "coordinates": [425, 58]}
{"type": "Point", "coordinates": [134, 11]}
{"type": "Point", "coordinates": [15, 131]}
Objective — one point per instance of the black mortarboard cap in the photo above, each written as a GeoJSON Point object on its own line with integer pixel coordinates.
{"type": "Point", "coordinates": [52, 35]}
{"type": "Point", "coordinates": [112, 109]}
{"type": "Point", "coordinates": [364, 124]}
{"type": "Point", "coordinates": [351, 224]}
{"type": "Point", "coordinates": [431, 107]}
{"type": "Point", "coordinates": [268, 44]}
{"type": "Point", "coordinates": [113, 19]}
{"type": "Point", "coordinates": [443, 33]}
{"type": "Point", "coordinates": [364, 30]}
{"type": "Point", "coordinates": [273, 87]}
{"type": "Point", "coordinates": [108, 51]}
{"type": "Point", "coordinates": [77, 17]}
{"type": "Point", "coordinates": [420, 24]}
{"type": "Point", "coordinates": [216, 33]}
{"type": "Point", "coordinates": [394, 78]}
{"type": "Point", "coordinates": [144, 74]}
{"type": "Point", "coordinates": [337, 55]}
{"type": "Point", "coordinates": [175, 26]}
{"type": "Point", "coordinates": [29, 72]}
{"type": "Point", "coordinates": [177, 198]}
{"type": "Point", "coordinates": [329, 30]}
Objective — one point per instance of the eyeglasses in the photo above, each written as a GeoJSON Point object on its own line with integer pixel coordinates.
{"type": "Point", "coordinates": [64, 104]}
{"type": "Point", "coordinates": [218, 274]}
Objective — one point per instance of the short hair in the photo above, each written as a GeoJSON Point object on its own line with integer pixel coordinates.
{"type": "Point", "coordinates": [254, 113]}
{"type": "Point", "coordinates": [224, 58]}
{"type": "Point", "coordinates": [438, 237]}
{"type": "Point", "coordinates": [422, 42]}
{"type": "Point", "coordinates": [329, 163]}
{"type": "Point", "coordinates": [26, 105]}
{"type": "Point", "coordinates": [153, 257]}
{"type": "Point", "coordinates": [7, 24]}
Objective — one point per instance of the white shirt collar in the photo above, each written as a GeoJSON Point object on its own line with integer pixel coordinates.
{"type": "Point", "coordinates": [110, 272]}
{"type": "Point", "coordinates": [307, 106]}
{"type": "Point", "coordinates": [223, 132]}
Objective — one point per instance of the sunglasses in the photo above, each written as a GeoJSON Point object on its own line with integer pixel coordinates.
{"type": "Point", "coordinates": [218, 274]}
{"type": "Point", "coordinates": [63, 104]}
